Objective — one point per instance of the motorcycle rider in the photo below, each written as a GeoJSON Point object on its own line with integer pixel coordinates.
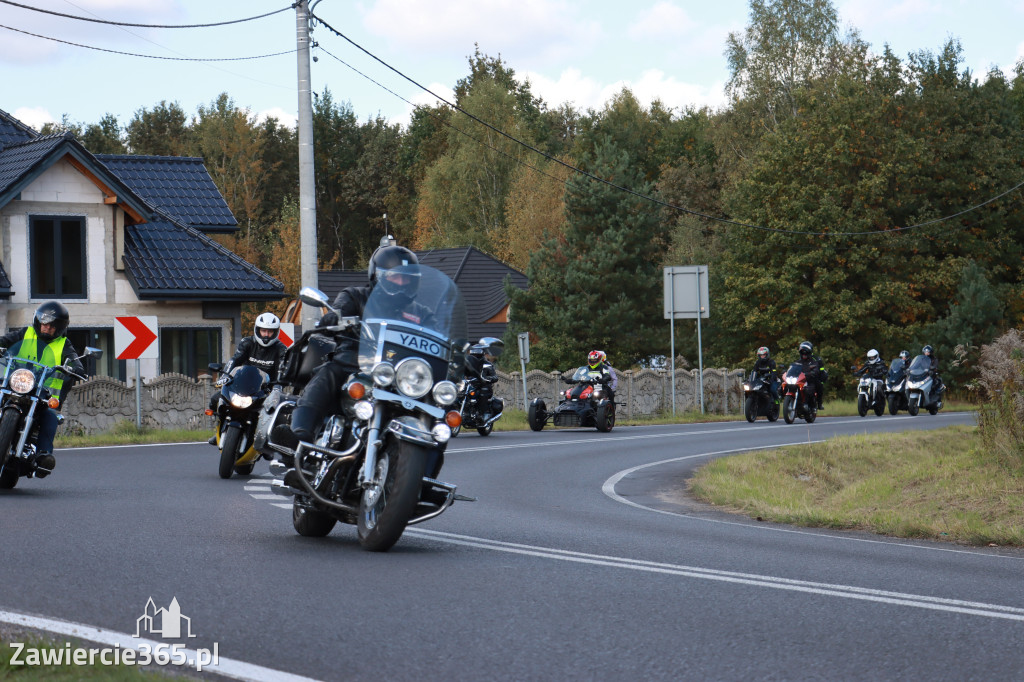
{"type": "Point", "coordinates": [929, 352]}
{"type": "Point", "coordinates": [321, 393]}
{"type": "Point", "coordinates": [905, 356]}
{"type": "Point", "coordinates": [873, 367]}
{"type": "Point", "coordinates": [45, 341]}
{"type": "Point", "coordinates": [764, 365]}
{"type": "Point", "coordinates": [263, 350]}
{"type": "Point", "coordinates": [480, 364]}
{"type": "Point", "coordinates": [813, 368]}
{"type": "Point", "coordinates": [597, 363]}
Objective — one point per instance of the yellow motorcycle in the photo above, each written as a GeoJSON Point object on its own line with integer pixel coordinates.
{"type": "Point", "coordinates": [242, 394]}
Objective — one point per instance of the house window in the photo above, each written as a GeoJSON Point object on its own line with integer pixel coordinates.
{"type": "Point", "coordinates": [102, 338]}
{"type": "Point", "coordinates": [57, 248]}
{"type": "Point", "coordinates": [188, 351]}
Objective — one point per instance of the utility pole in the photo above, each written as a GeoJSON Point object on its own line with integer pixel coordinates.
{"type": "Point", "coordinates": [307, 186]}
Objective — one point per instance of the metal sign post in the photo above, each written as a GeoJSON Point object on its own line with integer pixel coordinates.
{"type": "Point", "coordinates": [524, 357]}
{"type": "Point", "coordinates": [686, 297]}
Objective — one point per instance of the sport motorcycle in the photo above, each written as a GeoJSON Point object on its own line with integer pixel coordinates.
{"type": "Point", "coordinates": [758, 400]}
{"type": "Point", "coordinates": [242, 395]}
{"type": "Point", "coordinates": [797, 400]}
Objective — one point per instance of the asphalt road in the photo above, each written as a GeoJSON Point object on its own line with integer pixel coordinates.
{"type": "Point", "coordinates": [583, 559]}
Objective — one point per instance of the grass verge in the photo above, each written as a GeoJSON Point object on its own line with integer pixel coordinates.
{"type": "Point", "coordinates": [938, 485]}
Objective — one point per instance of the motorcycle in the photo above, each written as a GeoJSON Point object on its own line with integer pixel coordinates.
{"type": "Point", "coordinates": [238, 411]}
{"type": "Point", "coordinates": [798, 400]}
{"type": "Point", "coordinates": [374, 462]}
{"type": "Point", "coordinates": [759, 401]}
{"type": "Point", "coordinates": [477, 404]}
{"type": "Point", "coordinates": [587, 403]}
{"type": "Point", "coordinates": [870, 395]}
{"type": "Point", "coordinates": [921, 387]}
{"type": "Point", "coordinates": [896, 387]}
{"type": "Point", "coordinates": [23, 392]}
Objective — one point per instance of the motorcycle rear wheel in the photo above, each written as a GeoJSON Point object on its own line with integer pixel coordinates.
{"type": "Point", "coordinates": [228, 455]}
{"type": "Point", "coordinates": [536, 415]}
{"type": "Point", "coordinates": [245, 469]}
{"type": "Point", "coordinates": [933, 410]}
{"type": "Point", "coordinates": [401, 465]}
{"type": "Point", "coordinates": [862, 404]}
{"type": "Point", "coordinates": [773, 411]}
{"type": "Point", "coordinates": [9, 478]}
{"type": "Point", "coordinates": [879, 408]}
{"type": "Point", "coordinates": [789, 409]}
{"type": "Point", "coordinates": [310, 523]}
{"type": "Point", "coordinates": [750, 409]}
{"type": "Point", "coordinates": [485, 430]}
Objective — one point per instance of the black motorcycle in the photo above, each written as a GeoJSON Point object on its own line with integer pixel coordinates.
{"type": "Point", "coordinates": [242, 395]}
{"type": "Point", "coordinates": [759, 401]}
{"type": "Point", "coordinates": [587, 403]}
{"type": "Point", "coordinates": [23, 393]}
{"type": "Point", "coordinates": [374, 461]}
{"type": "Point", "coordinates": [896, 387]}
{"type": "Point", "coordinates": [477, 404]}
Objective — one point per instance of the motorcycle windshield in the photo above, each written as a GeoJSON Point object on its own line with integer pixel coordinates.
{"type": "Point", "coordinates": [247, 380]}
{"type": "Point", "coordinates": [584, 373]}
{"type": "Point", "coordinates": [896, 369]}
{"type": "Point", "coordinates": [415, 311]}
{"type": "Point", "coordinates": [795, 370]}
{"type": "Point", "coordinates": [919, 368]}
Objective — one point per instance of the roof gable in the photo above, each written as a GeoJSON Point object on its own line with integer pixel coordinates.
{"type": "Point", "coordinates": [179, 187]}
{"type": "Point", "coordinates": [165, 261]}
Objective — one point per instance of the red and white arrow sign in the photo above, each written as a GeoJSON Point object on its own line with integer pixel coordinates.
{"type": "Point", "coordinates": [287, 335]}
{"type": "Point", "coordinates": [134, 338]}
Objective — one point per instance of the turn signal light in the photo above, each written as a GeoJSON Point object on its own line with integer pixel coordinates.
{"type": "Point", "coordinates": [54, 403]}
{"type": "Point", "coordinates": [356, 390]}
{"type": "Point", "coordinates": [208, 412]}
{"type": "Point", "coordinates": [453, 419]}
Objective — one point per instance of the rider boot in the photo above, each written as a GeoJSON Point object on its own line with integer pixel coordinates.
{"type": "Point", "coordinates": [304, 421]}
{"type": "Point", "coordinates": [45, 463]}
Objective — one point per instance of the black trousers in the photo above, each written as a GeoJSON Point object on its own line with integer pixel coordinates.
{"type": "Point", "coordinates": [319, 398]}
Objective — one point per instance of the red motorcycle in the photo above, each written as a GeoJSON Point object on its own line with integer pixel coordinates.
{"type": "Point", "coordinates": [798, 398]}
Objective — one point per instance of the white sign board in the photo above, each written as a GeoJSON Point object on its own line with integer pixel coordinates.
{"type": "Point", "coordinates": [135, 338]}
{"type": "Point", "coordinates": [287, 334]}
{"type": "Point", "coordinates": [686, 292]}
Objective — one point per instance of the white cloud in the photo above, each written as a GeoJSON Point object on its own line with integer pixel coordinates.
{"type": "Point", "coordinates": [528, 31]}
{"type": "Point", "coordinates": [285, 118]}
{"type": "Point", "coordinates": [664, 20]}
{"type": "Point", "coordinates": [34, 117]}
{"type": "Point", "coordinates": [585, 92]}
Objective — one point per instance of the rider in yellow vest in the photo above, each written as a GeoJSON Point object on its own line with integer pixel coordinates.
{"type": "Point", "coordinates": [45, 342]}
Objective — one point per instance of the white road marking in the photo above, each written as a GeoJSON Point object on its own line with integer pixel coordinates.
{"type": "Point", "coordinates": [228, 667]}
{"type": "Point", "coordinates": [998, 611]}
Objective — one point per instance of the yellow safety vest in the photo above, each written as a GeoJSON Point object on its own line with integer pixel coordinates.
{"type": "Point", "coordinates": [52, 354]}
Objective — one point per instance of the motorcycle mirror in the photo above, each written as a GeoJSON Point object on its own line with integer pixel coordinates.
{"type": "Point", "coordinates": [216, 366]}
{"type": "Point", "coordinates": [313, 297]}
{"type": "Point", "coordinates": [91, 352]}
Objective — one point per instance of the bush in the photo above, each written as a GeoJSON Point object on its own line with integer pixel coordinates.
{"type": "Point", "coordinates": [1000, 384]}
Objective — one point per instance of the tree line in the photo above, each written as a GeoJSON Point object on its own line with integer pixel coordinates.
{"type": "Point", "coordinates": [814, 196]}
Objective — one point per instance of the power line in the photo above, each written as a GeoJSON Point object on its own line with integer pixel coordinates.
{"type": "Point", "coordinates": [124, 23]}
{"type": "Point", "coordinates": [147, 56]}
{"type": "Point", "coordinates": [655, 200]}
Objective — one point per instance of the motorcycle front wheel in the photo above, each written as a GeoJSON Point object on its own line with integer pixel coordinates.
{"type": "Point", "coordinates": [750, 409]}
{"type": "Point", "coordinates": [893, 409]}
{"type": "Point", "coordinates": [228, 455]}
{"type": "Point", "coordinates": [8, 430]}
{"type": "Point", "coordinates": [604, 420]}
{"type": "Point", "coordinates": [789, 409]}
{"type": "Point", "coordinates": [914, 405]}
{"type": "Point", "coordinates": [384, 512]}
{"type": "Point", "coordinates": [536, 415]}
{"type": "Point", "coordinates": [862, 404]}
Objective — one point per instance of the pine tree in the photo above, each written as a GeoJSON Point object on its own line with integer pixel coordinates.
{"type": "Point", "coordinates": [598, 285]}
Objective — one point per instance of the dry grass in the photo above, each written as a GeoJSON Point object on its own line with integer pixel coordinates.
{"type": "Point", "coordinates": [939, 484]}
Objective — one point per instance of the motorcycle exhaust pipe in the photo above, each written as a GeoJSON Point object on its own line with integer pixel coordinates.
{"type": "Point", "coordinates": [492, 419]}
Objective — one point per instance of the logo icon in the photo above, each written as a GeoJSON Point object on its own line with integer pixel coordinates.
{"type": "Point", "coordinates": [164, 622]}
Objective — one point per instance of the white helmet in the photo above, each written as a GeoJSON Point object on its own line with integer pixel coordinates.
{"type": "Point", "coordinates": [872, 355]}
{"type": "Point", "coordinates": [269, 322]}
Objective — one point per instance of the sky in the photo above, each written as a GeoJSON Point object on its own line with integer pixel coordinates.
{"type": "Point", "coordinates": [580, 52]}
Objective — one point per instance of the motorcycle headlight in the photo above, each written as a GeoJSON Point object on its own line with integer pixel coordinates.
{"type": "Point", "coordinates": [445, 393]}
{"type": "Point", "coordinates": [22, 381]}
{"type": "Point", "coordinates": [363, 410]}
{"type": "Point", "coordinates": [792, 380]}
{"type": "Point", "coordinates": [746, 387]}
{"type": "Point", "coordinates": [413, 377]}
{"type": "Point", "coordinates": [383, 374]}
{"type": "Point", "coordinates": [441, 432]}
{"type": "Point", "coordinates": [241, 401]}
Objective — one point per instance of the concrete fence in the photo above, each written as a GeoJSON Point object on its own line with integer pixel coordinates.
{"type": "Point", "coordinates": [175, 401]}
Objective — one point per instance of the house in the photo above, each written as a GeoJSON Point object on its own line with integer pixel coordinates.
{"type": "Point", "coordinates": [479, 276]}
{"type": "Point", "coordinates": [111, 236]}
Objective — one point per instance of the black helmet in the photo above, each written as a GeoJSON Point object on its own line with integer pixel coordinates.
{"type": "Point", "coordinates": [390, 270]}
{"type": "Point", "coordinates": [53, 313]}
{"type": "Point", "coordinates": [806, 348]}
{"type": "Point", "coordinates": [927, 350]}
{"type": "Point", "coordinates": [387, 257]}
{"type": "Point", "coordinates": [763, 353]}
